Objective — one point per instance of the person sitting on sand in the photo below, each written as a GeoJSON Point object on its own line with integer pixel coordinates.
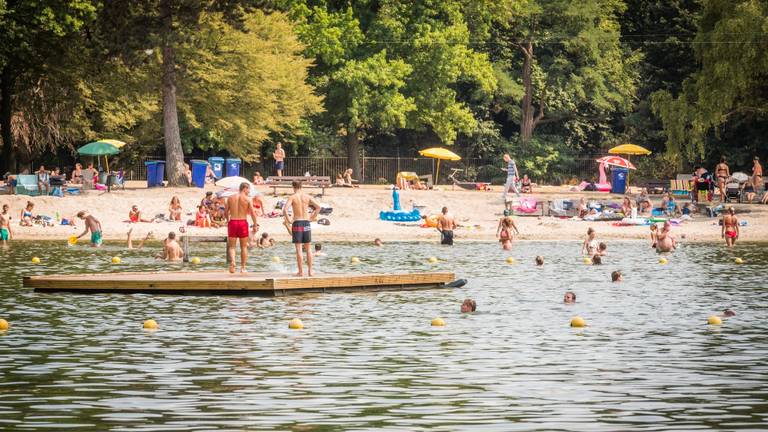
{"type": "Point", "coordinates": [348, 180]}
{"type": "Point", "coordinates": [445, 225]}
{"type": "Point", "coordinates": [134, 215]}
{"type": "Point", "coordinates": [258, 179]}
{"type": "Point", "coordinates": [569, 297]}
{"type": "Point", "coordinates": [504, 232]}
{"type": "Point", "coordinates": [202, 220]}
{"type": "Point", "coordinates": [626, 207]}
{"type": "Point", "coordinates": [207, 201]}
{"type": "Point", "coordinates": [668, 204]}
{"type": "Point", "coordinates": [174, 209]}
{"type": "Point", "coordinates": [171, 249]}
{"type": "Point", "coordinates": [644, 204]}
{"type": "Point", "coordinates": [583, 211]}
{"type": "Point", "coordinates": [27, 218]}
{"type": "Point", "coordinates": [93, 225]}
{"type": "Point", "coordinates": [377, 242]}
{"type": "Point", "coordinates": [339, 180]}
{"type": "Point", "coordinates": [218, 215]}
{"type": "Point", "coordinates": [665, 239]}
{"type": "Point", "coordinates": [258, 205]}
{"type": "Point", "coordinates": [525, 185]}
{"type": "Point", "coordinates": [77, 174]}
{"type": "Point", "coordinates": [589, 247]}
{"type": "Point", "coordinates": [6, 234]}
{"type": "Point", "coordinates": [539, 261]}
{"type": "Point", "coordinates": [468, 306]}
{"type": "Point", "coordinates": [616, 276]}
{"type": "Point", "coordinates": [730, 227]}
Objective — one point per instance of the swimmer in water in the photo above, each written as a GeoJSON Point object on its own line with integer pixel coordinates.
{"type": "Point", "coordinates": [377, 242]}
{"type": "Point", "coordinates": [616, 276]}
{"type": "Point", "coordinates": [654, 235]}
{"type": "Point", "coordinates": [539, 260]}
{"type": "Point", "coordinates": [597, 260]}
{"type": "Point", "coordinates": [602, 249]}
{"type": "Point", "coordinates": [468, 306]}
{"type": "Point", "coordinates": [590, 243]}
{"type": "Point", "coordinates": [504, 232]}
{"type": "Point", "coordinates": [319, 250]}
{"type": "Point", "coordinates": [569, 297]}
{"type": "Point", "coordinates": [728, 313]}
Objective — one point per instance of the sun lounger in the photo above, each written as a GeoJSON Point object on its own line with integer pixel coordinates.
{"type": "Point", "coordinates": [681, 186]}
{"type": "Point", "coordinates": [26, 184]}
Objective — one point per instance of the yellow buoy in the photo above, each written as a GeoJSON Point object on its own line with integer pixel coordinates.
{"type": "Point", "coordinates": [432, 260]}
{"type": "Point", "coordinates": [663, 260]}
{"type": "Point", "coordinates": [714, 320]}
{"type": "Point", "coordinates": [4, 325]}
{"type": "Point", "coordinates": [116, 260]}
{"type": "Point", "coordinates": [578, 321]}
{"type": "Point", "coordinates": [354, 260]}
{"type": "Point", "coordinates": [587, 260]}
{"type": "Point", "coordinates": [72, 240]}
{"type": "Point", "coordinates": [510, 260]}
{"type": "Point", "coordinates": [295, 324]}
{"type": "Point", "coordinates": [150, 324]}
{"type": "Point", "coordinates": [35, 260]}
{"type": "Point", "coordinates": [276, 259]}
{"type": "Point", "coordinates": [438, 322]}
{"type": "Point", "coordinates": [738, 261]}
{"type": "Point", "coordinates": [195, 260]}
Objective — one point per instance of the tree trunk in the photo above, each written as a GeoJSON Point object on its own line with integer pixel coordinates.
{"type": "Point", "coordinates": [8, 163]}
{"type": "Point", "coordinates": [174, 153]}
{"type": "Point", "coordinates": [353, 152]}
{"type": "Point", "coordinates": [526, 107]}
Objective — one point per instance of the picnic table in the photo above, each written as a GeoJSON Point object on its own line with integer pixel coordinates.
{"type": "Point", "coordinates": [276, 182]}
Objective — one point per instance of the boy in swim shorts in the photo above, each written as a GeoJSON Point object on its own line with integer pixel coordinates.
{"type": "Point", "coordinates": [5, 226]}
{"type": "Point", "coordinates": [93, 225]}
{"type": "Point", "coordinates": [301, 233]}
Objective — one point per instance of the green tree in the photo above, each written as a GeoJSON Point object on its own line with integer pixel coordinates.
{"type": "Point", "coordinates": [730, 85]}
{"type": "Point", "coordinates": [34, 35]}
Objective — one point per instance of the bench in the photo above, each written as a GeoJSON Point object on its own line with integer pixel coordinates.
{"type": "Point", "coordinates": [321, 182]}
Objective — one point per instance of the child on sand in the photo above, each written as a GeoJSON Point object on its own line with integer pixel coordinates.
{"type": "Point", "coordinates": [201, 218]}
{"type": "Point", "coordinates": [5, 226]}
{"type": "Point", "coordinates": [93, 225]}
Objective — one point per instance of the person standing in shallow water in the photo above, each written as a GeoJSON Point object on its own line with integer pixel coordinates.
{"type": "Point", "coordinates": [446, 224]}
{"type": "Point", "coordinates": [730, 227]}
{"type": "Point", "coordinates": [238, 208]}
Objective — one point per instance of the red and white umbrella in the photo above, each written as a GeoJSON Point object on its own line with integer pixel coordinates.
{"type": "Point", "coordinates": [616, 161]}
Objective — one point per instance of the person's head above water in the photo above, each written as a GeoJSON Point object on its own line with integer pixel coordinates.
{"type": "Point", "coordinates": [264, 235]}
{"type": "Point", "coordinates": [602, 247]}
{"type": "Point", "coordinates": [596, 260]}
{"type": "Point", "coordinates": [377, 242]}
{"type": "Point", "coordinates": [616, 276]}
{"type": "Point", "coordinates": [468, 305]}
{"type": "Point", "coordinates": [569, 297]}
{"type": "Point", "coordinates": [318, 247]}
{"type": "Point", "coordinates": [729, 313]}
{"type": "Point", "coordinates": [539, 260]}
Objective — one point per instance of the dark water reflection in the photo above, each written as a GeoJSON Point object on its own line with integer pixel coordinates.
{"type": "Point", "coordinates": [647, 361]}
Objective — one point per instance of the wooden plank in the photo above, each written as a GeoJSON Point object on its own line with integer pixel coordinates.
{"type": "Point", "coordinates": [225, 283]}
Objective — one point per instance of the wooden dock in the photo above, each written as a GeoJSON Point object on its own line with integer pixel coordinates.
{"type": "Point", "coordinates": [259, 284]}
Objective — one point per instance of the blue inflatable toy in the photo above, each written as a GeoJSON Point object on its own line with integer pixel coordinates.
{"type": "Point", "coordinates": [397, 214]}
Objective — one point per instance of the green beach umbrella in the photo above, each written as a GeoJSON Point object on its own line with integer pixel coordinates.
{"type": "Point", "coordinates": [99, 148]}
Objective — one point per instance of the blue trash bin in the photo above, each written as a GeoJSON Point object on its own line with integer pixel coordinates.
{"type": "Point", "coordinates": [233, 167]}
{"type": "Point", "coordinates": [217, 165]}
{"type": "Point", "coordinates": [619, 180]}
{"type": "Point", "coordinates": [151, 173]}
{"type": "Point", "coordinates": [159, 173]}
{"type": "Point", "coordinates": [199, 167]}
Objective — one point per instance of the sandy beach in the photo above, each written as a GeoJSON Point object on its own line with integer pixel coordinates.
{"type": "Point", "coordinates": [355, 215]}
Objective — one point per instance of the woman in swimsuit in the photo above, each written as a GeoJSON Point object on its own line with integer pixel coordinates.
{"type": "Point", "coordinates": [723, 173]}
{"type": "Point", "coordinates": [590, 243]}
{"type": "Point", "coordinates": [77, 174]}
{"type": "Point", "coordinates": [26, 214]}
{"type": "Point", "coordinates": [174, 209]}
{"type": "Point", "coordinates": [730, 230]}
{"type": "Point", "coordinates": [504, 232]}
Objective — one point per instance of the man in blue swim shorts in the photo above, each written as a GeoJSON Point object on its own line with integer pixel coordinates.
{"type": "Point", "coordinates": [279, 156]}
{"type": "Point", "coordinates": [301, 232]}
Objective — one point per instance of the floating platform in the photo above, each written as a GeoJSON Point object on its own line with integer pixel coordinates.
{"type": "Point", "coordinates": [258, 284]}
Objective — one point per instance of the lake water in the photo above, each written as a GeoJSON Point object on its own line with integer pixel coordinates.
{"type": "Point", "coordinates": [646, 361]}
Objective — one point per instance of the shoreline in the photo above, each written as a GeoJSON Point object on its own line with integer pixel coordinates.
{"type": "Point", "coordinates": [355, 216]}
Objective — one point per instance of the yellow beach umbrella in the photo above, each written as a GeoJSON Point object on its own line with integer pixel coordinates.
{"type": "Point", "coordinates": [439, 153]}
{"type": "Point", "coordinates": [116, 143]}
{"type": "Point", "coordinates": [629, 149]}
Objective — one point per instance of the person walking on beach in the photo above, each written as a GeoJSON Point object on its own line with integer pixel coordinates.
{"type": "Point", "coordinates": [237, 210]}
{"type": "Point", "coordinates": [279, 156]}
{"type": "Point", "coordinates": [446, 224]}
{"type": "Point", "coordinates": [93, 225]}
{"type": "Point", "coordinates": [301, 233]}
{"type": "Point", "coordinates": [511, 183]}
{"type": "Point", "coordinates": [723, 173]}
{"type": "Point", "coordinates": [757, 175]}
{"type": "Point", "coordinates": [5, 226]}
{"type": "Point", "coordinates": [730, 229]}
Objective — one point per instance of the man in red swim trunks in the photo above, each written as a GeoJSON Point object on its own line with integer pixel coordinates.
{"type": "Point", "coordinates": [238, 208]}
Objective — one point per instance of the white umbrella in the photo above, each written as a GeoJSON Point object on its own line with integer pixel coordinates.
{"type": "Point", "coordinates": [740, 177]}
{"type": "Point", "coordinates": [229, 192]}
{"type": "Point", "coordinates": [233, 182]}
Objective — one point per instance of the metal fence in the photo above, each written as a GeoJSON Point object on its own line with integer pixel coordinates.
{"type": "Point", "coordinates": [384, 169]}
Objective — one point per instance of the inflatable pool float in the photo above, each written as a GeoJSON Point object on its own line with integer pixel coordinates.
{"type": "Point", "coordinates": [397, 214]}
{"type": "Point", "coordinates": [634, 221]}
